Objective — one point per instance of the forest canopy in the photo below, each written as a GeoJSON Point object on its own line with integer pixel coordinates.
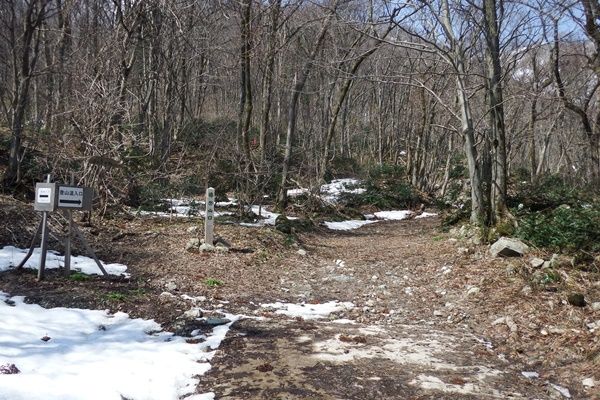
{"type": "Point", "coordinates": [150, 98]}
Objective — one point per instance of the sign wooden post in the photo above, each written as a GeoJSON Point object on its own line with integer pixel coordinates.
{"type": "Point", "coordinates": [48, 198]}
{"type": "Point", "coordinates": [69, 215]}
{"type": "Point", "coordinates": [41, 195]}
{"type": "Point", "coordinates": [209, 219]}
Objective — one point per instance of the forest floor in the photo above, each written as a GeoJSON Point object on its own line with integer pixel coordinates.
{"type": "Point", "coordinates": [432, 316]}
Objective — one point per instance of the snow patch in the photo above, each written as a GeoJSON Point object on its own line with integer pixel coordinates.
{"type": "Point", "coordinates": [332, 191]}
{"type": "Point", "coordinates": [11, 256]}
{"type": "Point", "coordinates": [426, 215]}
{"type": "Point", "coordinates": [396, 215]}
{"type": "Point", "coordinates": [94, 354]}
{"type": "Point", "coordinates": [347, 225]}
{"type": "Point", "coordinates": [297, 192]}
{"type": "Point", "coordinates": [309, 311]}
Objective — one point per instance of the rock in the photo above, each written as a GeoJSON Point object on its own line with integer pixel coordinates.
{"type": "Point", "coordinates": [588, 383]}
{"type": "Point", "coordinates": [165, 297]}
{"type": "Point", "coordinates": [301, 252]}
{"type": "Point", "coordinates": [207, 248]}
{"type": "Point", "coordinates": [192, 229]}
{"type": "Point", "coordinates": [473, 291]}
{"type": "Point", "coordinates": [452, 240]}
{"type": "Point", "coordinates": [192, 245]}
{"type": "Point", "coordinates": [511, 325]}
{"type": "Point", "coordinates": [562, 390]}
{"type": "Point", "coordinates": [526, 290]}
{"type": "Point", "coordinates": [221, 249]}
{"type": "Point", "coordinates": [559, 261]}
{"type": "Point", "coordinates": [438, 313]}
{"type": "Point", "coordinates": [171, 286]}
{"type": "Point", "coordinates": [596, 306]}
{"type": "Point", "coordinates": [508, 247]}
{"type": "Point", "coordinates": [192, 313]}
{"type": "Point", "coordinates": [9, 369]}
{"type": "Point", "coordinates": [464, 251]}
{"type": "Point", "coordinates": [374, 278]}
{"type": "Point", "coordinates": [557, 331]}
{"type": "Point", "coordinates": [593, 326]}
{"type": "Point", "coordinates": [530, 374]}
{"type": "Point", "coordinates": [214, 321]}
{"type": "Point", "coordinates": [576, 299]}
{"type": "Point", "coordinates": [536, 262]}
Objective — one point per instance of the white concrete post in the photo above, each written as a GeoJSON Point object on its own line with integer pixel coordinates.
{"type": "Point", "coordinates": [209, 219]}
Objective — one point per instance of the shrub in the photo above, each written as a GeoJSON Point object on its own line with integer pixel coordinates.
{"type": "Point", "coordinates": [212, 282]}
{"type": "Point", "coordinates": [563, 228]}
{"type": "Point", "coordinates": [547, 192]}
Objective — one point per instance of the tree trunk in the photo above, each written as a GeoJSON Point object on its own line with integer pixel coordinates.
{"type": "Point", "coordinates": [268, 78]}
{"type": "Point", "coordinates": [496, 112]}
{"type": "Point", "coordinates": [299, 83]}
{"type": "Point", "coordinates": [245, 115]}
{"type": "Point", "coordinates": [30, 37]}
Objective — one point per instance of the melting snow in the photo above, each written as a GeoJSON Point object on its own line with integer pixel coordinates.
{"type": "Point", "coordinates": [309, 311]}
{"type": "Point", "coordinates": [297, 192]}
{"type": "Point", "coordinates": [394, 215]}
{"type": "Point", "coordinates": [189, 208]}
{"type": "Point", "coordinates": [332, 191]}
{"type": "Point", "coordinates": [11, 256]}
{"type": "Point", "coordinates": [92, 354]}
{"type": "Point", "coordinates": [425, 215]}
{"type": "Point", "coordinates": [347, 225]}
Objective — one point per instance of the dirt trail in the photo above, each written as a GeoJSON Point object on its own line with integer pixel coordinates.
{"type": "Point", "coordinates": [434, 318]}
{"type": "Point", "coordinates": [411, 338]}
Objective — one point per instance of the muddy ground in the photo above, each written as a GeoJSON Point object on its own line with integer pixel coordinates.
{"type": "Point", "coordinates": [429, 322]}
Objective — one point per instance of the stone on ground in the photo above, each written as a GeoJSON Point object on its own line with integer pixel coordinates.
{"type": "Point", "coordinates": [508, 247]}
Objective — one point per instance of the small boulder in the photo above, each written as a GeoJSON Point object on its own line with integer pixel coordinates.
{"type": "Point", "coordinates": [473, 291]}
{"type": "Point", "coordinates": [560, 261]}
{"type": "Point", "coordinates": [301, 252]}
{"type": "Point", "coordinates": [9, 369]}
{"type": "Point", "coordinates": [206, 248]}
{"type": "Point", "coordinates": [192, 245]}
{"type": "Point", "coordinates": [192, 229]}
{"type": "Point", "coordinates": [508, 247]}
{"type": "Point", "coordinates": [536, 262]}
{"type": "Point", "coordinates": [192, 313]}
{"type": "Point", "coordinates": [588, 383]}
{"type": "Point", "coordinates": [576, 299]}
{"type": "Point", "coordinates": [219, 248]}
{"type": "Point", "coordinates": [596, 306]}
